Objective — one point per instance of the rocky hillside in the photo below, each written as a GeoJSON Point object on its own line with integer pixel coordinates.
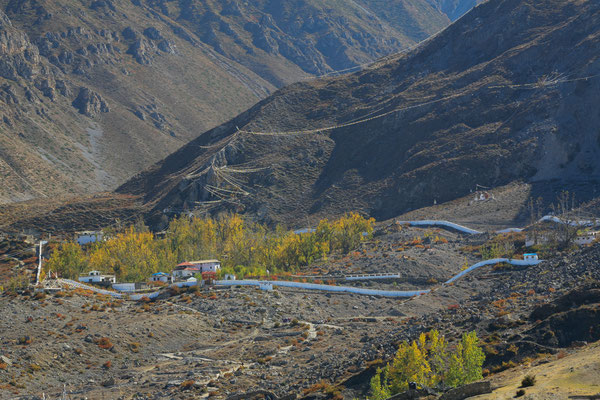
{"type": "Point", "coordinates": [281, 40]}
{"type": "Point", "coordinates": [94, 91]}
{"type": "Point", "coordinates": [506, 93]}
{"type": "Point", "coordinates": [455, 9]}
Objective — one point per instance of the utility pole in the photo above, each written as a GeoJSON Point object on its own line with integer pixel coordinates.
{"type": "Point", "coordinates": [39, 269]}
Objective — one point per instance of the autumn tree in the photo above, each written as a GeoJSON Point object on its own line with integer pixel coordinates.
{"type": "Point", "coordinates": [349, 230]}
{"type": "Point", "coordinates": [68, 260]}
{"type": "Point", "coordinates": [428, 362]}
{"type": "Point", "coordinates": [410, 365]}
{"type": "Point", "coordinates": [380, 389]}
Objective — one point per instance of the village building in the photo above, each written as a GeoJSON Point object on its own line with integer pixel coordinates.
{"type": "Point", "coordinates": [586, 238]}
{"type": "Point", "coordinates": [160, 277]}
{"type": "Point", "coordinates": [192, 268]}
{"type": "Point", "coordinates": [184, 273]}
{"type": "Point", "coordinates": [538, 239]}
{"type": "Point", "coordinates": [86, 237]}
{"type": "Point", "coordinates": [98, 278]}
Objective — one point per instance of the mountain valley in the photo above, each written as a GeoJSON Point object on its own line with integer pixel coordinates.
{"type": "Point", "coordinates": [300, 199]}
{"type": "Point", "coordinates": [95, 91]}
{"type": "Point", "coordinates": [496, 98]}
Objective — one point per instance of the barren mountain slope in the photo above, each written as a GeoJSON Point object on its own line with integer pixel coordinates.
{"type": "Point", "coordinates": [455, 9]}
{"type": "Point", "coordinates": [281, 40]}
{"type": "Point", "coordinates": [94, 91]}
{"type": "Point", "coordinates": [508, 92]}
{"type": "Point", "coordinates": [92, 94]}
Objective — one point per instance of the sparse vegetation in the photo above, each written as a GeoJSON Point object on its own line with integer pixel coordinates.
{"type": "Point", "coordinates": [187, 384]}
{"type": "Point", "coordinates": [529, 380]}
{"type": "Point", "coordinates": [16, 283]}
{"type": "Point", "coordinates": [134, 347]}
{"type": "Point", "coordinates": [104, 343]}
{"type": "Point", "coordinates": [25, 340]}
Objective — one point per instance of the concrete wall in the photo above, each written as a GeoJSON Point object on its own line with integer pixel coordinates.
{"type": "Point", "coordinates": [371, 276]}
{"type": "Point", "coordinates": [124, 287]}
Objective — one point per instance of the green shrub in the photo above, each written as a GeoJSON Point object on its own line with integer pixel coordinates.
{"type": "Point", "coordinates": [529, 380]}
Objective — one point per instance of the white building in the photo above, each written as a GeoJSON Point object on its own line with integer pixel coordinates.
{"type": "Point", "coordinates": [184, 273]}
{"type": "Point", "coordinates": [97, 277]}
{"type": "Point", "coordinates": [586, 238]}
{"type": "Point", "coordinates": [130, 287]}
{"type": "Point", "coordinates": [192, 268]}
{"type": "Point", "coordinates": [160, 277]}
{"type": "Point", "coordinates": [89, 237]}
{"type": "Point", "coordinates": [530, 257]}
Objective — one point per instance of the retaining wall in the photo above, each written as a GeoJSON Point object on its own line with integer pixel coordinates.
{"type": "Point", "coordinates": [371, 276]}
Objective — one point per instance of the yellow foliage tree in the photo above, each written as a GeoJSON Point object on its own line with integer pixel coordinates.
{"type": "Point", "coordinates": [410, 365]}
{"type": "Point", "coordinates": [243, 247]}
{"type": "Point", "coordinates": [68, 260]}
{"type": "Point", "coordinates": [428, 362]}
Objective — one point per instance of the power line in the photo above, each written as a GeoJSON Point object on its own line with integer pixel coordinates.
{"type": "Point", "coordinates": [536, 85]}
{"type": "Point", "coordinates": [347, 124]}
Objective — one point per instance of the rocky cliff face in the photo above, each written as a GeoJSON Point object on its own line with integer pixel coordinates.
{"type": "Point", "coordinates": [506, 93]}
{"type": "Point", "coordinates": [94, 91]}
{"type": "Point", "coordinates": [18, 57]}
{"type": "Point", "coordinates": [73, 78]}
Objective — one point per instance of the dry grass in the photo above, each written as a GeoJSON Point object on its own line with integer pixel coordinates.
{"type": "Point", "coordinates": [104, 343]}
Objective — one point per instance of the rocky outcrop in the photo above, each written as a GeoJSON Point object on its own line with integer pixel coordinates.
{"type": "Point", "coordinates": [142, 50]}
{"type": "Point", "coordinates": [466, 391]}
{"type": "Point", "coordinates": [90, 103]}
{"type": "Point", "coordinates": [18, 57]}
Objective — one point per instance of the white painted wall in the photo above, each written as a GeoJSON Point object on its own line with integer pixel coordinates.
{"type": "Point", "coordinates": [585, 239]}
{"type": "Point", "coordinates": [97, 279]}
{"type": "Point", "coordinates": [124, 287]}
{"type": "Point", "coordinates": [89, 238]}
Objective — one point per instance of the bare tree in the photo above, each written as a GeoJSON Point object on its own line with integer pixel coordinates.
{"type": "Point", "coordinates": [569, 225]}
{"type": "Point", "coordinates": [535, 214]}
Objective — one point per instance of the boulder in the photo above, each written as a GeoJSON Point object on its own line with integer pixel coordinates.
{"type": "Point", "coordinates": [90, 103]}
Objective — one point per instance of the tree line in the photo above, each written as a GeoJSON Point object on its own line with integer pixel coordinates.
{"type": "Point", "coordinates": [245, 248]}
